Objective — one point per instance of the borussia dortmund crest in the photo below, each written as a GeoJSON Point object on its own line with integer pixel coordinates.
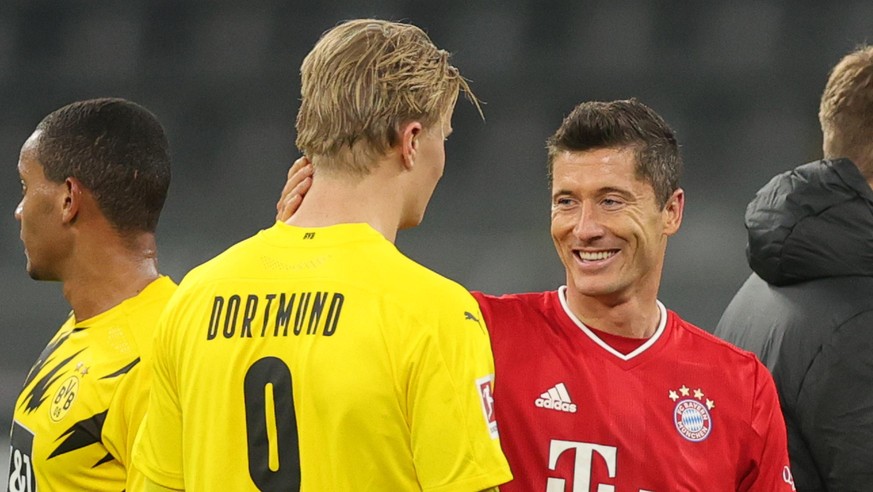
{"type": "Point", "coordinates": [64, 398]}
{"type": "Point", "coordinates": [691, 415]}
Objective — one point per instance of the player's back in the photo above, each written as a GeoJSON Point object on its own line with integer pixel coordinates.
{"type": "Point", "coordinates": [329, 341]}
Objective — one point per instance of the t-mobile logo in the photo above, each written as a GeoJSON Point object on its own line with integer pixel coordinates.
{"type": "Point", "coordinates": [582, 467]}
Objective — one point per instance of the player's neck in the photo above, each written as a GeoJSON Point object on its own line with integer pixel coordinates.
{"type": "Point", "coordinates": [372, 199]}
{"type": "Point", "coordinates": [107, 269]}
{"type": "Point", "coordinates": [635, 316]}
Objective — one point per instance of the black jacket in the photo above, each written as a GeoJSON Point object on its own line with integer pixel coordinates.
{"type": "Point", "coordinates": [807, 311]}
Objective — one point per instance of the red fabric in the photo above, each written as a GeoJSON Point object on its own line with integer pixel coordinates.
{"type": "Point", "coordinates": [622, 344]}
{"type": "Point", "coordinates": [619, 427]}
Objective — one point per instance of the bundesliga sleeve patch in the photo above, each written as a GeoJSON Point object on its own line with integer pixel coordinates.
{"type": "Point", "coordinates": [483, 386]}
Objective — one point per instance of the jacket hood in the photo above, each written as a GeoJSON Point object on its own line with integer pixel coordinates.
{"type": "Point", "coordinates": [814, 221]}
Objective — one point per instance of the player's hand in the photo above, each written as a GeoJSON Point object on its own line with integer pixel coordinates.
{"type": "Point", "coordinates": [299, 181]}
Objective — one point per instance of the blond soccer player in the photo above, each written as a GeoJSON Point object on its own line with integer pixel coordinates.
{"type": "Point", "coordinates": [314, 355]}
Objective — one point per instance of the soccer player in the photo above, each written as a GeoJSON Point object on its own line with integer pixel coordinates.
{"type": "Point", "coordinates": [315, 355]}
{"type": "Point", "coordinates": [599, 386]}
{"type": "Point", "coordinates": [94, 176]}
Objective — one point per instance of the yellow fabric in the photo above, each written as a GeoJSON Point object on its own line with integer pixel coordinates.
{"type": "Point", "coordinates": [150, 486]}
{"type": "Point", "coordinates": [382, 354]}
{"type": "Point", "coordinates": [79, 410]}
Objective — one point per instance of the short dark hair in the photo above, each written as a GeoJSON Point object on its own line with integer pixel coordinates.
{"type": "Point", "coordinates": [627, 123]}
{"type": "Point", "coordinates": [118, 150]}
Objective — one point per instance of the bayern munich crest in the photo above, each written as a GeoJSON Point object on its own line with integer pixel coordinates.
{"type": "Point", "coordinates": [692, 413]}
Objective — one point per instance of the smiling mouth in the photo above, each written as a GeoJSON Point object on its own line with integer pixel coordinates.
{"type": "Point", "coordinates": [587, 256]}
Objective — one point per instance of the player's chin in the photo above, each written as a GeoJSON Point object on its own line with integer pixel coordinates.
{"type": "Point", "coordinates": [37, 273]}
{"type": "Point", "coordinates": [592, 285]}
{"type": "Point", "coordinates": [34, 273]}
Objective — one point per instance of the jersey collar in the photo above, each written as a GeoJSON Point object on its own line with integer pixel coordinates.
{"type": "Point", "coordinates": [662, 323]}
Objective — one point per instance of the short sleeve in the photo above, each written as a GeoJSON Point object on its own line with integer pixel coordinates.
{"type": "Point", "coordinates": [124, 417]}
{"type": "Point", "coordinates": [454, 435]}
{"type": "Point", "coordinates": [770, 469]}
{"type": "Point", "coordinates": [158, 448]}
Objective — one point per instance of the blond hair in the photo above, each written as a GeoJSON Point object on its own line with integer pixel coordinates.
{"type": "Point", "coordinates": [361, 82]}
{"type": "Point", "coordinates": [846, 111]}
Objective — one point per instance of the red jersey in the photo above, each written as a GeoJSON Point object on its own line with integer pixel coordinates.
{"type": "Point", "coordinates": [683, 411]}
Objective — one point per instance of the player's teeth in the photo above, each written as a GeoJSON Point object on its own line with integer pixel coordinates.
{"type": "Point", "coordinates": [600, 255]}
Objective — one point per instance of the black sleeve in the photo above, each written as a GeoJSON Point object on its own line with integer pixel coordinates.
{"type": "Point", "coordinates": [834, 411]}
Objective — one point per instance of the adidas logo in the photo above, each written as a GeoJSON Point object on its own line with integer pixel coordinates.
{"type": "Point", "coordinates": [556, 398]}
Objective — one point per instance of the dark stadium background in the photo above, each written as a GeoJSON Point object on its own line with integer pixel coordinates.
{"type": "Point", "coordinates": [739, 81]}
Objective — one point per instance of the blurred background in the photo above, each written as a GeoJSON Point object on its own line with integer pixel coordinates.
{"type": "Point", "coordinates": [739, 81]}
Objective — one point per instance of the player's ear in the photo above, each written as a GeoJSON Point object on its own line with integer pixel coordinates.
{"type": "Point", "coordinates": [409, 142]}
{"type": "Point", "coordinates": [673, 211]}
{"type": "Point", "coordinates": [72, 199]}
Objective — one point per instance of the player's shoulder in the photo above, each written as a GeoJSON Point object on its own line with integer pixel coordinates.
{"type": "Point", "coordinates": [133, 320]}
{"type": "Point", "coordinates": [537, 301]}
{"type": "Point", "coordinates": [702, 341]}
{"type": "Point", "coordinates": [153, 297]}
{"type": "Point", "coordinates": [406, 277]}
{"type": "Point", "coordinates": [224, 262]}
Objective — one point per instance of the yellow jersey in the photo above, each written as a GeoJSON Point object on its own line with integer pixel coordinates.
{"type": "Point", "coordinates": [82, 403]}
{"type": "Point", "coordinates": [321, 359]}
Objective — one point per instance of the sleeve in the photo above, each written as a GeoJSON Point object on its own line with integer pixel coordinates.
{"type": "Point", "coordinates": [482, 300]}
{"type": "Point", "coordinates": [125, 415]}
{"type": "Point", "coordinates": [835, 408]}
{"type": "Point", "coordinates": [450, 408]}
{"type": "Point", "coordinates": [770, 469]}
{"type": "Point", "coordinates": [158, 448]}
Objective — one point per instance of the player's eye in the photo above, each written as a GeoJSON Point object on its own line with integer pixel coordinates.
{"type": "Point", "coordinates": [562, 202]}
{"type": "Point", "coordinates": [611, 202]}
